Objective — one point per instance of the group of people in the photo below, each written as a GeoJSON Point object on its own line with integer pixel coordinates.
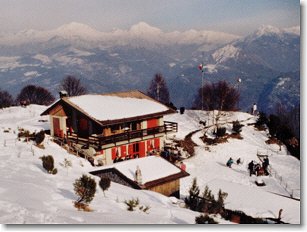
{"type": "Point", "coordinates": [257, 169]}
{"type": "Point", "coordinates": [230, 162]}
{"type": "Point", "coordinates": [254, 167]}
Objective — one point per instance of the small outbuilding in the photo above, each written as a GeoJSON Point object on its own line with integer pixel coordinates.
{"type": "Point", "coordinates": [151, 173]}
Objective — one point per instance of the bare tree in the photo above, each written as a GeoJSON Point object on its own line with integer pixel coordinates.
{"type": "Point", "coordinates": [158, 89]}
{"type": "Point", "coordinates": [35, 95]}
{"type": "Point", "coordinates": [72, 86]}
{"type": "Point", "coordinates": [217, 96]}
{"type": "Point", "coordinates": [6, 99]}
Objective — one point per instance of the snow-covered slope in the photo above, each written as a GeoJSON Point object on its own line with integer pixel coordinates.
{"type": "Point", "coordinates": [209, 167]}
{"type": "Point", "coordinates": [29, 195]}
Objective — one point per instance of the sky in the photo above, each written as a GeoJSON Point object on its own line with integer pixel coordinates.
{"type": "Point", "coordinates": [233, 16]}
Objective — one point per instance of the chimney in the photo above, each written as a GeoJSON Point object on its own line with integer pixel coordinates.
{"type": "Point", "coordinates": [63, 93]}
{"type": "Point", "coordinates": [138, 175]}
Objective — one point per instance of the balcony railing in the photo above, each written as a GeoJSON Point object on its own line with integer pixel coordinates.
{"type": "Point", "coordinates": [100, 140]}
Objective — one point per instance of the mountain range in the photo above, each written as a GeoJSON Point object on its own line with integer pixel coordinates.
{"type": "Point", "coordinates": [128, 59]}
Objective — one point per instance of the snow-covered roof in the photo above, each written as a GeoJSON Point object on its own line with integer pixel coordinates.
{"type": "Point", "coordinates": [152, 168]}
{"type": "Point", "coordinates": [114, 106]}
{"type": "Point", "coordinates": [103, 107]}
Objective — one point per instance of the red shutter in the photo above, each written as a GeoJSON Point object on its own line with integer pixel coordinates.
{"type": "Point", "coordinates": [113, 152]}
{"type": "Point", "coordinates": [157, 143]}
{"type": "Point", "coordinates": [130, 149]}
{"type": "Point", "coordinates": [142, 149]}
{"type": "Point", "coordinates": [152, 123]}
{"type": "Point", "coordinates": [123, 151]}
{"type": "Point", "coordinates": [149, 145]}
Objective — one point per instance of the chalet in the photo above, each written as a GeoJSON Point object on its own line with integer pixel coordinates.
{"type": "Point", "coordinates": [120, 125]}
{"type": "Point", "coordinates": [142, 174]}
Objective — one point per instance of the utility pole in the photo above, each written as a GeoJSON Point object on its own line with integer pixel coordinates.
{"type": "Point", "coordinates": [238, 83]}
{"type": "Point", "coordinates": [201, 68]}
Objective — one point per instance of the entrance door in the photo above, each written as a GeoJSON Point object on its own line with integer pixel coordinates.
{"type": "Point", "coordinates": [83, 128]}
{"type": "Point", "coordinates": [56, 127]}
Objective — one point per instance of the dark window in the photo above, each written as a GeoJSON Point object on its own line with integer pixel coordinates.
{"type": "Point", "coordinates": [136, 147]}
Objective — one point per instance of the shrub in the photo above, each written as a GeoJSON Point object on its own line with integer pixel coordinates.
{"type": "Point", "coordinates": [39, 137]}
{"type": "Point", "coordinates": [236, 127]}
{"type": "Point", "coordinates": [133, 203]}
{"type": "Point", "coordinates": [48, 163]}
{"type": "Point", "coordinates": [204, 219]}
{"type": "Point", "coordinates": [82, 206]}
{"type": "Point", "coordinates": [104, 184]}
{"type": "Point", "coordinates": [25, 134]}
{"type": "Point", "coordinates": [262, 121]}
{"type": "Point", "coordinates": [85, 189]}
{"type": "Point", "coordinates": [220, 132]}
{"type": "Point", "coordinates": [66, 164]}
{"type": "Point", "coordinates": [144, 208]}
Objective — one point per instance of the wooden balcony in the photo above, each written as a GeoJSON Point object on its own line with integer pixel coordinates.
{"type": "Point", "coordinates": [99, 140]}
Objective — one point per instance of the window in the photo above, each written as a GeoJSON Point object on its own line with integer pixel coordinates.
{"type": "Point", "coordinates": [136, 147]}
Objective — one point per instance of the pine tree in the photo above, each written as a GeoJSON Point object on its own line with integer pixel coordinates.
{"type": "Point", "coordinates": [48, 164]}
{"type": "Point", "coordinates": [218, 206]}
{"type": "Point", "coordinates": [237, 127]}
{"type": "Point", "coordinates": [158, 89]}
{"type": "Point", "coordinates": [104, 184]}
{"type": "Point", "coordinates": [85, 189]}
{"type": "Point", "coordinates": [39, 137]}
{"type": "Point", "coordinates": [193, 199]}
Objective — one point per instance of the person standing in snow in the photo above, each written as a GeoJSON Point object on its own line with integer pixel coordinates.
{"type": "Point", "coordinates": [265, 165]}
{"type": "Point", "coordinates": [183, 166]}
{"type": "Point", "coordinates": [229, 162]}
{"type": "Point", "coordinates": [251, 168]}
{"type": "Point", "coordinates": [254, 109]}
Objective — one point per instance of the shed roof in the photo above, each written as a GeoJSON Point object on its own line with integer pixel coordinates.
{"type": "Point", "coordinates": [155, 170]}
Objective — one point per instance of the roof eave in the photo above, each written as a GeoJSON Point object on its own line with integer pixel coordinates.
{"type": "Point", "coordinates": [166, 179]}
{"type": "Point", "coordinates": [136, 118]}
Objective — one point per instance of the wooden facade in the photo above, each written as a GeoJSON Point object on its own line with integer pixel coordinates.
{"type": "Point", "coordinates": [171, 188]}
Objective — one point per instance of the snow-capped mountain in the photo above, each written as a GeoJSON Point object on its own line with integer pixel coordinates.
{"type": "Point", "coordinates": [257, 59]}
{"type": "Point", "coordinates": [142, 31]}
{"type": "Point", "coordinates": [128, 59]}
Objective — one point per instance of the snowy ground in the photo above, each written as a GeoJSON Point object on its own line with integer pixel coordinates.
{"type": "Point", "coordinates": [209, 166]}
{"type": "Point", "coordinates": [29, 195]}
